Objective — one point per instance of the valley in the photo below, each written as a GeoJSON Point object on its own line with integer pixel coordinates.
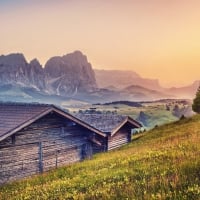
{"type": "Point", "coordinates": [149, 113]}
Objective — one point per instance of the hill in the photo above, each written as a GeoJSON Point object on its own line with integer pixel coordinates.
{"type": "Point", "coordinates": [163, 163]}
{"type": "Point", "coordinates": [121, 79]}
{"type": "Point", "coordinates": [184, 92]}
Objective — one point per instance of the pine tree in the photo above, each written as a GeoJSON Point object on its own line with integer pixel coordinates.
{"type": "Point", "coordinates": [196, 102]}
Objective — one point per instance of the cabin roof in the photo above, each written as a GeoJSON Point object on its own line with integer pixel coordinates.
{"type": "Point", "coordinates": [15, 116]}
{"type": "Point", "coordinates": [107, 123]}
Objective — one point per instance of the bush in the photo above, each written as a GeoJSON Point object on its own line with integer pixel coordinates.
{"type": "Point", "coordinates": [196, 102]}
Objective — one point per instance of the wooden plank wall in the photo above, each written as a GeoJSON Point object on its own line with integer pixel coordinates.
{"type": "Point", "coordinates": [18, 161]}
{"type": "Point", "coordinates": [46, 144]}
{"type": "Point", "coordinates": [120, 138]}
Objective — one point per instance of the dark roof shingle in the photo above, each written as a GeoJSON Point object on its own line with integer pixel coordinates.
{"type": "Point", "coordinates": [103, 122]}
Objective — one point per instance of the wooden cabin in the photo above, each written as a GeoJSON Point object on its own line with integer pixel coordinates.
{"type": "Point", "coordinates": [37, 137]}
{"type": "Point", "coordinates": [117, 130]}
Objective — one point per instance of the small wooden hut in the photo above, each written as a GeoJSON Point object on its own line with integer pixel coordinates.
{"type": "Point", "coordinates": [117, 130]}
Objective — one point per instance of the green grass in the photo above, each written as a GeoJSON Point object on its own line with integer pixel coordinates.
{"type": "Point", "coordinates": [163, 163]}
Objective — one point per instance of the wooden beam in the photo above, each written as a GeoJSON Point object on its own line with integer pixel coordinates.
{"type": "Point", "coordinates": [40, 158]}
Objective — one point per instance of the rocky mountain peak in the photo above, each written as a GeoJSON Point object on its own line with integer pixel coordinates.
{"type": "Point", "coordinates": [35, 61]}
{"type": "Point", "coordinates": [36, 75]}
{"type": "Point", "coordinates": [35, 64]}
{"type": "Point", "coordinates": [70, 74]}
{"type": "Point", "coordinates": [13, 69]}
{"type": "Point", "coordinates": [13, 60]}
{"type": "Point", "coordinates": [76, 58]}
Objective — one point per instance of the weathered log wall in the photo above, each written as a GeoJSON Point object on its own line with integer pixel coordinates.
{"type": "Point", "coordinates": [120, 138]}
{"type": "Point", "coordinates": [18, 161]}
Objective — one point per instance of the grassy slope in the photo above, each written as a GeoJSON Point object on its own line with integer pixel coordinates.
{"type": "Point", "coordinates": [162, 164]}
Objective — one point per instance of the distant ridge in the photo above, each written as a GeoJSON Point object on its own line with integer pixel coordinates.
{"type": "Point", "coordinates": [121, 79]}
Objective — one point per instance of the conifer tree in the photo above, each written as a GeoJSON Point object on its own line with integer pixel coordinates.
{"type": "Point", "coordinates": [196, 102]}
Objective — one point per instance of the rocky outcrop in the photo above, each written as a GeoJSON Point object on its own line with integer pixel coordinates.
{"type": "Point", "coordinates": [13, 69]}
{"type": "Point", "coordinates": [36, 75]}
{"type": "Point", "coordinates": [70, 74]}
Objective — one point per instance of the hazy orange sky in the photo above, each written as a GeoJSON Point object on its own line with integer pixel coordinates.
{"type": "Point", "coordinates": [156, 38]}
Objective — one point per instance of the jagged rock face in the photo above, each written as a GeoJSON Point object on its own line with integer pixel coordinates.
{"type": "Point", "coordinates": [66, 76]}
{"type": "Point", "coordinates": [70, 74]}
{"type": "Point", "coordinates": [36, 75]}
{"type": "Point", "coordinates": [13, 69]}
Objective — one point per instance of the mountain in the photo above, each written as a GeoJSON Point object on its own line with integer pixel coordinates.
{"type": "Point", "coordinates": [36, 75]}
{"type": "Point", "coordinates": [70, 74]}
{"type": "Point", "coordinates": [15, 70]}
{"type": "Point", "coordinates": [121, 79]}
{"type": "Point", "coordinates": [118, 79]}
{"type": "Point", "coordinates": [140, 93]}
{"type": "Point", "coordinates": [72, 77]}
{"type": "Point", "coordinates": [184, 92]}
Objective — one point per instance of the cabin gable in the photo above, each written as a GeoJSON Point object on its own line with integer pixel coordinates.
{"type": "Point", "coordinates": [117, 129]}
{"type": "Point", "coordinates": [122, 136]}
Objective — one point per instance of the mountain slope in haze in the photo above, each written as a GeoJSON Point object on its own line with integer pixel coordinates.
{"type": "Point", "coordinates": [121, 79]}
{"type": "Point", "coordinates": [162, 163]}
{"type": "Point", "coordinates": [130, 93]}
{"type": "Point", "coordinates": [185, 92]}
{"type": "Point", "coordinates": [118, 79]}
{"type": "Point", "coordinates": [138, 92]}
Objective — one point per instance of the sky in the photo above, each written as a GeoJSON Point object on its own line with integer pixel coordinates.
{"type": "Point", "coordinates": [158, 39]}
